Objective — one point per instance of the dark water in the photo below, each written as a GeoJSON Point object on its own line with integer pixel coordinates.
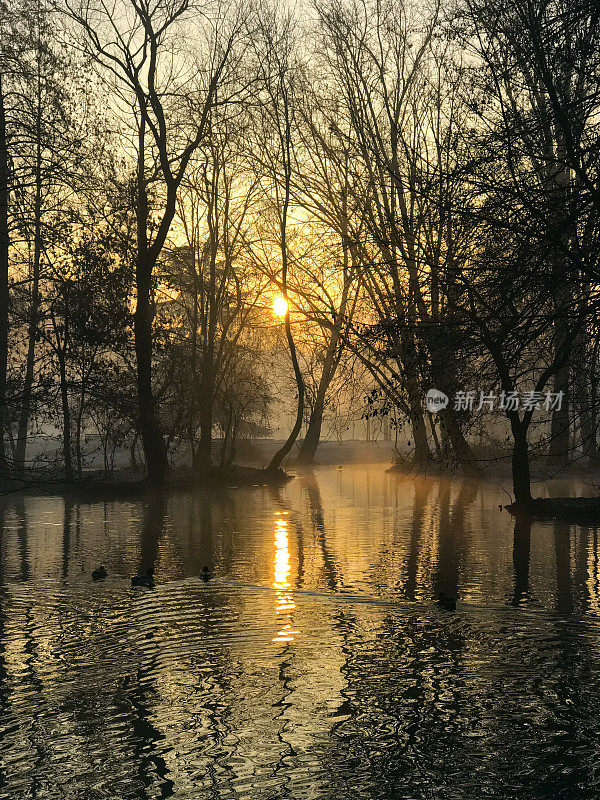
{"type": "Point", "coordinates": [316, 664]}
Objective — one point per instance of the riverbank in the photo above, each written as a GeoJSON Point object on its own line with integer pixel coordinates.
{"type": "Point", "coordinates": [253, 456]}
{"type": "Point", "coordinates": [129, 485]}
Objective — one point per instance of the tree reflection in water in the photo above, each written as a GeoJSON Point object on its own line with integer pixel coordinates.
{"type": "Point", "coordinates": [185, 691]}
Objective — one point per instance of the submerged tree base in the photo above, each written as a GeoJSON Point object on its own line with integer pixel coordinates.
{"type": "Point", "coordinates": [573, 509]}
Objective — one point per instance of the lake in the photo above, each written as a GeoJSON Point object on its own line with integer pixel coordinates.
{"type": "Point", "coordinates": [315, 664]}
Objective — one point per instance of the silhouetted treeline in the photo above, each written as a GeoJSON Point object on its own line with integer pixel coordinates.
{"type": "Point", "coordinates": [419, 184]}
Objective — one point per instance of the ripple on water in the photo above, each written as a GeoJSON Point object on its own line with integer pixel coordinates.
{"type": "Point", "coordinates": [354, 686]}
{"type": "Point", "coordinates": [182, 692]}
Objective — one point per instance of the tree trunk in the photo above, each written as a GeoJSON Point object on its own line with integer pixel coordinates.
{"type": "Point", "coordinates": [309, 445]}
{"type": "Point", "coordinates": [444, 369]}
{"type": "Point", "coordinates": [225, 439]}
{"type": "Point", "coordinates": [593, 451]}
{"type": "Point", "coordinates": [203, 455]}
{"type": "Point", "coordinates": [152, 440]}
{"type": "Point", "coordinates": [558, 451]}
{"type": "Point", "coordinates": [25, 410]}
{"type": "Point", "coordinates": [308, 448]}
{"type": "Point", "coordinates": [11, 438]}
{"type": "Point", "coordinates": [4, 243]}
{"type": "Point", "coordinates": [132, 454]}
{"type": "Point", "coordinates": [520, 464]}
{"type": "Point", "coordinates": [587, 437]}
{"type": "Point", "coordinates": [78, 455]}
{"type": "Point", "coordinates": [311, 441]}
{"type": "Point", "coordinates": [64, 396]}
{"type": "Point", "coordinates": [387, 433]}
{"type": "Point", "coordinates": [421, 451]}
{"type": "Point", "coordinates": [283, 451]}
{"type": "Point", "coordinates": [105, 455]}
{"type": "Point", "coordinates": [585, 399]}
{"type": "Point", "coordinates": [433, 426]}
{"type": "Point", "coordinates": [232, 447]}
{"type": "Point", "coordinates": [460, 447]}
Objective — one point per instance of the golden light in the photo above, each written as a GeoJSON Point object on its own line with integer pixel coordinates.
{"type": "Point", "coordinates": [282, 554]}
{"type": "Point", "coordinates": [284, 602]}
{"type": "Point", "coordinates": [280, 306]}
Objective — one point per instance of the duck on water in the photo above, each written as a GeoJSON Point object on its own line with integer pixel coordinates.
{"type": "Point", "coordinates": [446, 602]}
{"type": "Point", "coordinates": [99, 574]}
{"type": "Point", "coordinates": [146, 580]}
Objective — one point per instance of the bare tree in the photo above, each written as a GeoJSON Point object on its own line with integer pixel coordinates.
{"type": "Point", "coordinates": [279, 68]}
{"type": "Point", "coordinates": [534, 96]}
{"type": "Point", "coordinates": [4, 271]}
{"type": "Point", "coordinates": [325, 283]}
{"type": "Point", "coordinates": [135, 43]}
{"type": "Point", "coordinates": [397, 101]}
{"type": "Point", "coordinates": [217, 290]}
{"type": "Point", "coordinates": [9, 66]}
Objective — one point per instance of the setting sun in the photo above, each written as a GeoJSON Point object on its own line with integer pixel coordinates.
{"type": "Point", "coordinates": [280, 306]}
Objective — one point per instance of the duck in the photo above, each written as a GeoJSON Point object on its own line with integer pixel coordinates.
{"type": "Point", "coordinates": [99, 574]}
{"type": "Point", "coordinates": [146, 580]}
{"type": "Point", "coordinates": [446, 602]}
{"type": "Point", "coordinates": [206, 574]}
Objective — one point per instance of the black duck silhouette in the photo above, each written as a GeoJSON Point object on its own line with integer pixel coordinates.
{"type": "Point", "coordinates": [99, 574]}
{"type": "Point", "coordinates": [446, 602]}
{"type": "Point", "coordinates": [146, 580]}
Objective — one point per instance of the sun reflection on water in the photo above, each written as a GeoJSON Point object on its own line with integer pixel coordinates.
{"type": "Point", "coordinates": [284, 603]}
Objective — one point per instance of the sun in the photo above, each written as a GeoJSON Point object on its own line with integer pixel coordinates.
{"type": "Point", "coordinates": [280, 306]}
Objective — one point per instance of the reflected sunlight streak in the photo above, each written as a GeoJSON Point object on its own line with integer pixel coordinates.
{"type": "Point", "coordinates": [284, 598]}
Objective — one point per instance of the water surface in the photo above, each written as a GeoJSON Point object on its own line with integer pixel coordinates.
{"type": "Point", "coordinates": [315, 665]}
